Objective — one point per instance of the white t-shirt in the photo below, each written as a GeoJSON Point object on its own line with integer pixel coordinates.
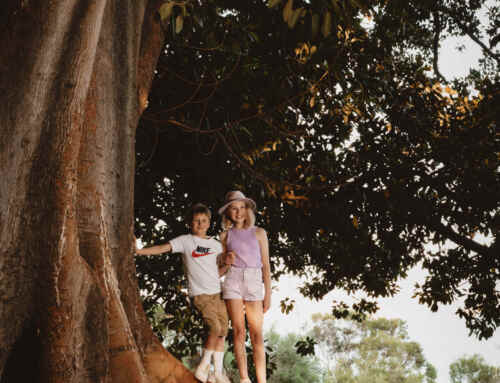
{"type": "Point", "coordinates": [200, 261]}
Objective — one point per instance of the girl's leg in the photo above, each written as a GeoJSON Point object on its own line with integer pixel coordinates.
{"type": "Point", "coordinates": [255, 318]}
{"type": "Point", "coordinates": [236, 311]}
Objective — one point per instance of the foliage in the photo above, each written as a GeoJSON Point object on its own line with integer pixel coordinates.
{"type": "Point", "coordinates": [375, 350]}
{"type": "Point", "coordinates": [473, 369]}
{"type": "Point", "coordinates": [291, 366]}
{"type": "Point", "coordinates": [305, 346]}
{"type": "Point", "coordinates": [356, 149]}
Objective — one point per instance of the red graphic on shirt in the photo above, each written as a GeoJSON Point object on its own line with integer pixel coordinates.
{"type": "Point", "coordinates": [201, 252]}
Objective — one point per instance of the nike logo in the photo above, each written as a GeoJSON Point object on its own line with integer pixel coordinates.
{"type": "Point", "coordinates": [201, 252]}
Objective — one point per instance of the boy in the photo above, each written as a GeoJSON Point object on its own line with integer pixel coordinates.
{"type": "Point", "coordinates": [200, 255]}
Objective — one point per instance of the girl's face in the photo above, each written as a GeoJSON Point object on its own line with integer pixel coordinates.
{"type": "Point", "coordinates": [237, 212]}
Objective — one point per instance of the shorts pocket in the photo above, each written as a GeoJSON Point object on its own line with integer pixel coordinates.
{"type": "Point", "coordinates": [255, 286]}
{"type": "Point", "coordinates": [200, 301]}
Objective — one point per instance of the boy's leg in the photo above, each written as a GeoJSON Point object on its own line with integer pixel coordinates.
{"type": "Point", "coordinates": [203, 368]}
{"type": "Point", "coordinates": [204, 303]}
{"type": "Point", "coordinates": [209, 352]}
{"type": "Point", "coordinates": [223, 319]}
{"type": "Point", "coordinates": [212, 342]}
{"type": "Point", "coordinates": [219, 354]}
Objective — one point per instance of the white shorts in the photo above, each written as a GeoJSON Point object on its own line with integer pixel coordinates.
{"type": "Point", "coordinates": [243, 283]}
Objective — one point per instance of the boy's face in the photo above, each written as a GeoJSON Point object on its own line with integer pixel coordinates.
{"type": "Point", "coordinates": [200, 224]}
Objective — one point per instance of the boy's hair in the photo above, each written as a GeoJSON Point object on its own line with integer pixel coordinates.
{"type": "Point", "coordinates": [250, 222]}
{"type": "Point", "coordinates": [198, 208]}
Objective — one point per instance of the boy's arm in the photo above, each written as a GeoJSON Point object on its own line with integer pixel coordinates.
{"type": "Point", "coordinates": [154, 250]}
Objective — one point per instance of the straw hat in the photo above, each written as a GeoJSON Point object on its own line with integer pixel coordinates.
{"type": "Point", "coordinates": [233, 196]}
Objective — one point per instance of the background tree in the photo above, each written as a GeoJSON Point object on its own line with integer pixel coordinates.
{"type": "Point", "coordinates": [290, 365]}
{"type": "Point", "coordinates": [375, 350]}
{"type": "Point", "coordinates": [473, 369]}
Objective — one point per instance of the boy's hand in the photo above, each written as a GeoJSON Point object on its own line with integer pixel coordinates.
{"type": "Point", "coordinates": [135, 245]}
{"type": "Point", "coordinates": [229, 257]}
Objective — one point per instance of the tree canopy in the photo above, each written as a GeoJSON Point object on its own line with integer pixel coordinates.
{"type": "Point", "coordinates": [375, 350]}
{"type": "Point", "coordinates": [473, 369]}
{"type": "Point", "coordinates": [291, 366]}
{"type": "Point", "coordinates": [335, 118]}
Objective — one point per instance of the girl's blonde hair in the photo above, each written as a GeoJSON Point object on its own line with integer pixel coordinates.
{"type": "Point", "coordinates": [249, 221]}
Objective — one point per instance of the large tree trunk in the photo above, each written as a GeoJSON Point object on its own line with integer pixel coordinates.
{"type": "Point", "coordinates": [74, 78]}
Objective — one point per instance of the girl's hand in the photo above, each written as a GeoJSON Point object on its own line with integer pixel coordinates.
{"type": "Point", "coordinates": [267, 302]}
{"type": "Point", "coordinates": [229, 258]}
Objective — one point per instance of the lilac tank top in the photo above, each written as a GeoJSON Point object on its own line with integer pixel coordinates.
{"type": "Point", "coordinates": [246, 246]}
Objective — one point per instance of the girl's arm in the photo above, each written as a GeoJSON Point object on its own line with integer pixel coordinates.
{"type": "Point", "coordinates": [154, 250]}
{"type": "Point", "coordinates": [226, 259]}
{"type": "Point", "coordinates": [266, 267]}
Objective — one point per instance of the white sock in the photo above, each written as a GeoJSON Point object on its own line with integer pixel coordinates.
{"type": "Point", "coordinates": [218, 361]}
{"type": "Point", "coordinates": [207, 354]}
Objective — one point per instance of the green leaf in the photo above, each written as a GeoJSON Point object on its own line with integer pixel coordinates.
{"type": "Point", "coordinates": [254, 36]}
{"type": "Point", "coordinates": [314, 25]}
{"type": "Point", "coordinates": [179, 23]}
{"type": "Point", "coordinates": [306, 346]}
{"type": "Point", "coordinates": [166, 10]}
{"type": "Point", "coordinates": [273, 3]}
{"type": "Point", "coordinates": [292, 21]}
{"type": "Point", "coordinates": [326, 28]}
{"type": "Point", "coordinates": [336, 7]}
{"type": "Point", "coordinates": [357, 4]}
{"type": "Point", "coordinates": [246, 130]}
{"type": "Point", "coordinates": [287, 11]}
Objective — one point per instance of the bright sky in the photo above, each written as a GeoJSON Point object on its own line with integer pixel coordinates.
{"type": "Point", "coordinates": [442, 335]}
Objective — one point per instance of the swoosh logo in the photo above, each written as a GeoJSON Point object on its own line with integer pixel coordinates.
{"type": "Point", "coordinates": [195, 254]}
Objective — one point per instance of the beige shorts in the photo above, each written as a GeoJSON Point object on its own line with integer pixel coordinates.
{"type": "Point", "coordinates": [213, 310]}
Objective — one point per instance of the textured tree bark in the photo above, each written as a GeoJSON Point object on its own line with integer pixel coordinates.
{"type": "Point", "coordinates": [74, 79]}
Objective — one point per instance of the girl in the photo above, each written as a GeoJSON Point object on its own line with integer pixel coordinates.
{"type": "Point", "coordinates": [247, 287]}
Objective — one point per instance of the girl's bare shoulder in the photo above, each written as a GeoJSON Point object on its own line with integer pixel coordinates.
{"type": "Point", "coordinates": [260, 232]}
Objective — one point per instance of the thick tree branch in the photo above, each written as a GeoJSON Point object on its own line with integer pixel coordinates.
{"type": "Point", "coordinates": [457, 238]}
{"type": "Point", "coordinates": [465, 29]}
{"type": "Point", "coordinates": [422, 215]}
{"type": "Point", "coordinates": [435, 47]}
{"type": "Point", "coordinates": [152, 40]}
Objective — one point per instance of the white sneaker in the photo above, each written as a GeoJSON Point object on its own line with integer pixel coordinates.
{"type": "Point", "coordinates": [246, 380]}
{"type": "Point", "coordinates": [220, 377]}
{"type": "Point", "coordinates": [211, 378]}
{"type": "Point", "coordinates": [201, 372]}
